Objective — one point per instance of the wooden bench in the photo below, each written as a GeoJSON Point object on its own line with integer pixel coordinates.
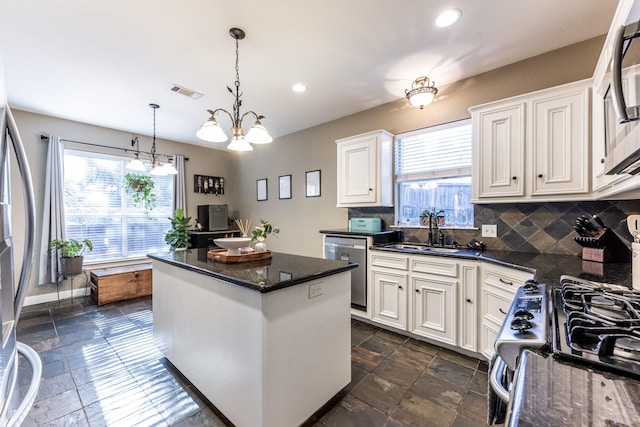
{"type": "Point", "coordinates": [121, 283]}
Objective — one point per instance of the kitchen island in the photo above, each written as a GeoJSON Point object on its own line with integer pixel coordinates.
{"type": "Point", "coordinates": [267, 342]}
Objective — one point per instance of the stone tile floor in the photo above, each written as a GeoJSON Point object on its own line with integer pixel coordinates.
{"type": "Point", "coordinates": [100, 368]}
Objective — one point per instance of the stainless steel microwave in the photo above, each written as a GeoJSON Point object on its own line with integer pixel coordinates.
{"type": "Point", "coordinates": [622, 104]}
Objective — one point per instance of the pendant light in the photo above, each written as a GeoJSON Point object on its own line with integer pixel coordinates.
{"type": "Point", "coordinates": [136, 164]}
{"type": "Point", "coordinates": [156, 166]}
{"type": "Point", "coordinates": [211, 131]}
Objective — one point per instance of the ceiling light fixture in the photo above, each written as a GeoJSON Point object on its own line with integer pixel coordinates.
{"type": "Point", "coordinates": [136, 164]}
{"type": "Point", "coordinates": [422, 92]}
{"type": "Point", "coordinates": [448, 17]}
{"type": "Point", "coordinates": [211, 131]}
{"type": "Point", "coordinates": [299, 88]}
{"type": "Point", "coordinates": [156, 166]}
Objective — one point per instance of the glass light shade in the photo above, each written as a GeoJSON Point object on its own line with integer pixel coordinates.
{"type": "Point", "coordinates": [258, 134]}
{"type": "Point", "coordinates": [170, 169]}
{"type": "Point", "coordinates": [136, 165]}
{"type": "Point", "coordinates": [211, 131]}
{"type": "Point", "coordinates": [158, 170]}
{"type": "Point", "coordinates": [239, 144]}
{"type": "Point", "coordinates": [421, 99]}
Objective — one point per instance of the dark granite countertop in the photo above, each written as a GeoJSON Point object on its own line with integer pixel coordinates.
{"type": "Point", "coordinates": [547, 267]}
{"type": "Point", "coordinates": [556, 392]}
{"type": "Point", "coordinates": [281, 271]}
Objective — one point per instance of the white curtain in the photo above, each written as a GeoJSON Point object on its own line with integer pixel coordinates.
{"type": "Point", "coordinates": [179, 185]}
{"type": "Point", "coordinates": [53, 211]}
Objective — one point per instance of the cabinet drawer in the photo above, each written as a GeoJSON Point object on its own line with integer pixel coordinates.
{"type": "Point", "coordinates": [507, 279]}
{"type": "Point", "coordinates": [387, 260]}
{"type": "Point", "coordinates": [495, 305]}
{"type": "Point", "coordinates": [434, 265]}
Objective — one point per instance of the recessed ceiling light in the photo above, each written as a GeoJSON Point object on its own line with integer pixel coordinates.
{"type": "Point", "coordinates": [448, 17]}
{"type": "Point", "coordinates": [298, 87]}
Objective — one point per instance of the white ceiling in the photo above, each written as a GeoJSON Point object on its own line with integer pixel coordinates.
{"type": "Point", "coordinates": [103, 62]}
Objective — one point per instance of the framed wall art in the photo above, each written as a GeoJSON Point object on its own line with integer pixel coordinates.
{"type": "Point", "coordinates": [284, 187]}
{"type": "Point", "coordinates": [261, 189]}
{"type": "Point", "coordinates": [312, 183]}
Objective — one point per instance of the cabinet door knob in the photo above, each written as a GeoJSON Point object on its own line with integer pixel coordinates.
{"type": "Point", "coordinates": [371, 189]}
{"type": "Point", "coordinates": [540, 175]}
{"type": "Point", "coordinates": [417, 291]}
{"type": "Point", "coordinates": [400, 287]}
{"type": "Point", "coordinates": [514, 178]}
{"type": "Point", "coordinates": [469, 300]}
{"type": "Point", "coordinates": [601, 160]}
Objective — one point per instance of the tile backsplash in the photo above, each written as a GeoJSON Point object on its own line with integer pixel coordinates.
{"type": "Point", "coordinates": [525, 227]}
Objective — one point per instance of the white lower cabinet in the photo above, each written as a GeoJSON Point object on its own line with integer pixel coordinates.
{"type": "Point", "coordinates": [468, 307]}
{"type": "Point", "coordinates": [390, 298]}
{"type": "Point", "coordinates": [434, 307]}
{"type": "Point", "coordinates": [498, 288]}
{"type": "Point", "coordinates": [459, 302]}
{"type": "Point", "coordinates": [388, 282]}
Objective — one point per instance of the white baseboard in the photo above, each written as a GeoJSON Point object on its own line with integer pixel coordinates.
{"type": "Point", "coordinates": [53, 296]}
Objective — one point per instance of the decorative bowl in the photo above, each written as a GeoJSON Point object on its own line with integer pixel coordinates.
{"type": "Point", "coordinates": [233, 244]}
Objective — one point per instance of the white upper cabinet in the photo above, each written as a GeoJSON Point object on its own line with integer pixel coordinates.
{"type": "Point", "coordinates": [533, 147]}
{"type": "Point", "coordinates": [498, 145]}
{"type": "Point", "coordinates": [365, 175]}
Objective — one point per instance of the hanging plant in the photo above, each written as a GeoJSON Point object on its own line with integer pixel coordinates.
{"type": "Point", "coordinates": [140, 187]}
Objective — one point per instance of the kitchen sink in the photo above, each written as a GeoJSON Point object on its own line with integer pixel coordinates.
{"type": "Point", "coordinates": [442, 250]}
{"type": "Point", "coordinates": [422, 248]}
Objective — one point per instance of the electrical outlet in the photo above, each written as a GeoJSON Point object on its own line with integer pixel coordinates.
{"type": "Point", "coordinates": [489, 230]}
{"type": "Point", "coordinates": [315, 290]}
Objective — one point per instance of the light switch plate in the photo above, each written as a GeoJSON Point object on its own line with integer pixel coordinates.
{"type": "Point", "coordinates": [489, 230]}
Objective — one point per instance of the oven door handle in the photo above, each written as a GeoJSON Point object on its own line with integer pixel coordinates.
{"type": "Point", "coordinates": [495, 380]}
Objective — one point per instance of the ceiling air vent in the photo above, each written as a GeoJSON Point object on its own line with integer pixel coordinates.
{"type": "Point", "coordinates": [184, 91]}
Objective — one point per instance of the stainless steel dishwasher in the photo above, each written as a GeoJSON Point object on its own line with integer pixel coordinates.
{"type": "Point", "coordinates": [353, 250]}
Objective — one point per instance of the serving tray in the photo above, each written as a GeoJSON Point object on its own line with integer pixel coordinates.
{"type": "Point", "coordinates": [220, 255]}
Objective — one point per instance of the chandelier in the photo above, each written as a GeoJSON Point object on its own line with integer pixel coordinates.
{"type": "Point", "coordinates": [211, 131]}
{"type": "Point", "coordinates": [157, 168]}
{"type": "Point", "coordinates": [422, 92]}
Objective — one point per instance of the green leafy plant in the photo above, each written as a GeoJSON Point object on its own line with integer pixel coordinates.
{"type": "Point", "coordinates": [70, 248]}
{"type": "Point", "coordinates": [178, 236]}
{"type": "Point", "coordinates": [432, 213]}
{"type": "Point", "coordinates": [140, 187]}
{"type": "Point", "coordinates": [261, 232]}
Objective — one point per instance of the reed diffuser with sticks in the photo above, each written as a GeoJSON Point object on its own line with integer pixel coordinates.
{"type": "Point", "coordinates": [244, 226]}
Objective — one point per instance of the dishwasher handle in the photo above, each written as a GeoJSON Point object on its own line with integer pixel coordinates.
{"type": "Point", "coordinates": [341, 245]}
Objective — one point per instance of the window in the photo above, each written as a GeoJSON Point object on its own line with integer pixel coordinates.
{"type": "Point", "coordinates": [97, 207]}
{"type": "Point", "coordinates": [433, 172]}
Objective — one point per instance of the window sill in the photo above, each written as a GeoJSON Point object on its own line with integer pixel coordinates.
{"type": "Point", "coordinates": [413, 226]}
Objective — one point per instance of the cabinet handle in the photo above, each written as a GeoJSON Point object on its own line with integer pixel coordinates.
{"type": "Point", "coordinates": [400, 287]}
{"type": "Point", "coordinates": [371, 189]}
{"type": "Point", "coordinates": [505, 282]}
{"type": "Point", "coordinates": [417, 291]}
{"type": "Point", "coordinates": [514, 178]}
{"type": "Point", "coordinates": [601, 160]}
{"type": "Point", "coordinates": [540, 175]}
{"type": "Point", "coordinates": [469, 300]}
{"type": "Point", "coordinates": [502, 311]}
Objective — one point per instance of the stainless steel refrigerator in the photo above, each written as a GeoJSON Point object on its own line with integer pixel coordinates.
{"type": "Point", "coordinates": [13, 406]}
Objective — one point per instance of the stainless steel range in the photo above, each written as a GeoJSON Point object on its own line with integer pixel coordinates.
{"type": "Point", "coordinates": [598, 324]}
{"type": "Point", "coordinates": [526, 326]}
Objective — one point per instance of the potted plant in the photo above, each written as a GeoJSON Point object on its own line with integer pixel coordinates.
{"type": "Point", "coordinates": [435, 216]}
{"type": "Point", "coordinates": [178, 237]}
{"type": "Point", "coordinates": [71, 258]}
{"type": "Point", "coordinates": [260, 233]}
{"type": "Point", "coordinates": [140, 186]}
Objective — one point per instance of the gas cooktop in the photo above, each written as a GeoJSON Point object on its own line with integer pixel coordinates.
{"type": "Point", "coordinates": [598, 324]}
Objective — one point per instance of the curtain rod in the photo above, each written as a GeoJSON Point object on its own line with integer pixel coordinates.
{"type": "Point", "coordinates": [126, 150]}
